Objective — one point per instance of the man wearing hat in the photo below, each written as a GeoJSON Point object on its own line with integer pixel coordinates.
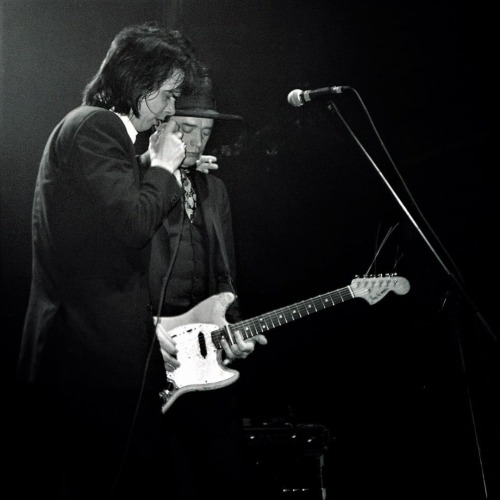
{"type": "Point", "coordinates": [192, 259]}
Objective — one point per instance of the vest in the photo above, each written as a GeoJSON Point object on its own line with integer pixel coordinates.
{"type": "Point", "coordinates": [188, 283]}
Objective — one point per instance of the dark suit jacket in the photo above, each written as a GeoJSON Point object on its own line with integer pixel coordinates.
{"type": "Point", "coordinates": [94, 215]}
{"type": "Point", "coordinates": [213, 202]}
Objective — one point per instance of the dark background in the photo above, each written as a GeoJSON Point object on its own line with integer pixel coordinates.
{"type": "Point", "coordinates": [407, 388]}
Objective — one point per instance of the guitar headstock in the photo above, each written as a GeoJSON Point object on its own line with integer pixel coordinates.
{"type": "Point", "coordinates": [373, 288]}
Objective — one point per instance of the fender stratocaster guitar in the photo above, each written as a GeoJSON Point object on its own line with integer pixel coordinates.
{"type": "Point", "coordinates": [199, 331]}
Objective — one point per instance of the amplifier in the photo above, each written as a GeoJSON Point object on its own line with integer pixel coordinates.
{"type": "Point", "coordinates": [289, 460]}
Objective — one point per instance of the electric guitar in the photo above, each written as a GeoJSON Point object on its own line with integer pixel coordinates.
{"type": "Point", "coordinates": [199, 331]}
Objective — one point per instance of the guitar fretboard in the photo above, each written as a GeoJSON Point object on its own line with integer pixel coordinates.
{"type": "Point", "coordinates": [265, 322]}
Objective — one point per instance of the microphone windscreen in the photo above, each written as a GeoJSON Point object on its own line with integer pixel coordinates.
{"type": "Point", "coordinates": [295, 98]}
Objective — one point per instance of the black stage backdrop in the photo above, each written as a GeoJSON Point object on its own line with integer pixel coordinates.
{"type": "Point", "coordinates": [407, 387]}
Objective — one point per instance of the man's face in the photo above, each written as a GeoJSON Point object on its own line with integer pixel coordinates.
{"type": "Point", "coordinates": [157, 106]}
{"type": "Point", "coordinates": [196, 134]}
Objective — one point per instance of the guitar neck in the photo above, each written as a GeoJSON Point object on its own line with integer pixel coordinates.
{"type": "Point", "coordinates": [265, 322]}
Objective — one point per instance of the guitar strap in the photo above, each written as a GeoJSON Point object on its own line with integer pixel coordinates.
{"type": "Point", "coordinates": [222, 245]}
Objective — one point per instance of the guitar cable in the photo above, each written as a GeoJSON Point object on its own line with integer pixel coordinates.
{"type": "Point", "coordinates": [141, 390]}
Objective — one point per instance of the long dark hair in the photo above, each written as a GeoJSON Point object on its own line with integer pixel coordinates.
{"type": "Point", "coordinates": [140, 58]}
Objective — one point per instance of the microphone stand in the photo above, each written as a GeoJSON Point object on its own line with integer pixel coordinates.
{"type": "Point", "coordinates": [451, 276]}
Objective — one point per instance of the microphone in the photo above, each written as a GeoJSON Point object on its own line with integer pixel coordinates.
{"type": "Point", "coordinates": [299, 97]}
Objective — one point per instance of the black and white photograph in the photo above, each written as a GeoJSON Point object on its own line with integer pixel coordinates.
{"type": "Point", "coordinates": [247, 250]}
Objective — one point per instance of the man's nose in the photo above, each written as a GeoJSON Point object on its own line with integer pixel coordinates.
{"type": "Point", "coordinates": [170, 108]}
{"type": "Point", "coordinates": [196, 140]}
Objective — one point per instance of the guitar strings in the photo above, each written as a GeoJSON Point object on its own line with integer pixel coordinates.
{"type": "Point", "coordinates": [259, 325]}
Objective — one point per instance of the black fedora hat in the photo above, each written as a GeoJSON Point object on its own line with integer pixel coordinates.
{"type": "Point", "coordinates": [201, 103]}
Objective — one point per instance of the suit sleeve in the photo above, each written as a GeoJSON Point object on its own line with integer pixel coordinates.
{"type": "Point", "coordinates": [110, 175]}
{"type": "Point", "coordinates": [227, 281]}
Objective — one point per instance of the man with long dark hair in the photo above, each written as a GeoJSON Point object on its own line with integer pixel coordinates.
{"type": "Point", "coordinates": [90, 363]}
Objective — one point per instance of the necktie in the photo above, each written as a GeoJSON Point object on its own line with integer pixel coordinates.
{"type": "Point", "coordinates": [189, 195]}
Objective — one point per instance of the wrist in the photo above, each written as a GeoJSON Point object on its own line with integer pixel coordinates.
{"type": "Point", "coordinates": [164, 165]}
{"type": "Point", "coordinates": [145, 159]}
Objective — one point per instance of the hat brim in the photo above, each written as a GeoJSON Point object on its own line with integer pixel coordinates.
{"type": "Point", "coordinates": [206, 113]}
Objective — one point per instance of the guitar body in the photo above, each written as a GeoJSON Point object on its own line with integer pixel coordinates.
{"type": "Point", "coordinates": [201, 366]}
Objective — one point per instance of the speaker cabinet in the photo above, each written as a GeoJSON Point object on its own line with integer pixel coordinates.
{"type": "Point", "coordinates": [289, 461]}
